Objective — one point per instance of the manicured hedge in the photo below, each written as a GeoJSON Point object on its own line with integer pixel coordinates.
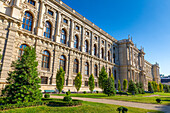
{"type": "Point", "coordinates": [22, 105]}
{"type": "Point", "coordinates": [60, 102]}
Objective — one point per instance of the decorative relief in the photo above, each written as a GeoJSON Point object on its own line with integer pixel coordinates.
{"type": "Point", "coordinates": [7, 2]}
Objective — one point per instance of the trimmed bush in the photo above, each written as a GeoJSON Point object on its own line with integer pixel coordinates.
{"type": "Point", "coordinates": [97, 91]}
{"type": "Point", "coordinates": [68, 93]}
{"type": "Point", "coordinates": [47, 95]}
{"type": "Point", "coordinates": [158, 100]}
{"type": "Point", "coordinates": [67, 98]}
{"type": "Point", "coordinates": [123, 109]}
{"type": "Point", "coordinates": [22, 105]}
{"type": "Point", "coordinates": [84, 92]}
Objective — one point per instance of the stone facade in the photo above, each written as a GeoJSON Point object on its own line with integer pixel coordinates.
{"type": "Point", "coordinates": [119, 57]}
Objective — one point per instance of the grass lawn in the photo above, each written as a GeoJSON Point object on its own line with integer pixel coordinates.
{"type": "Point", "coordinates": [87, 107]}
{"type": "Point", "coordinates": [165, 97]}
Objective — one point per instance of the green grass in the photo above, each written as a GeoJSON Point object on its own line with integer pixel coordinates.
{"type": "Point", "coordinates": [165, 97]}
{"type": "Point", "coordinates": [87, 107]}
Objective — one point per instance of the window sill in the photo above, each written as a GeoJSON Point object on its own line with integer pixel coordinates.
{"type": "Point", "coordinates": [45, 69]}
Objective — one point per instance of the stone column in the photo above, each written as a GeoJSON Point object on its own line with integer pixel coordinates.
{"type": "Point", "coordinates": [58, 27]}
{"type": "Point", "coordinates": [40, 22]}
{"type": "Point", "coordinates": [72, 35]}
{"type": "Point", "coordinates": [71, 62]}
{"type": "Point", "coordinates": [91, 48]}
{"type": "Point", "coordinates": [82, 39]}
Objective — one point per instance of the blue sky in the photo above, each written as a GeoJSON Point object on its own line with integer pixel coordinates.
{"type": "Point", "coordinates": [147, 21]}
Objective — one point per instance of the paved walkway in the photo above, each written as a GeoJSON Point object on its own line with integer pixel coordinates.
{"type": "Point", "coordinates": [163, 108]}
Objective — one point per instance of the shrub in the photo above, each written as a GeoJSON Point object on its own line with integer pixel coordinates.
{"type": "Point", "coordinates": [78, 81]}
{"type": "Point", "coordinates": [97, 91]}
{"type": "Point", "coordinates": [60, 79]}
{"type": "Point", "coordinates": [125, 84]}
{"type": "Point", "coordinates": [158, 100]}
{"type": "Point", "coordinates": [109, 88]}
{"type": "Point", "coordinates": [91, 83]}
{"type": "Point", "coordinates": [119, 85]}
{"type": "Point", "coordinates": [102, 78]}
{"type": "Point", "coordinates": [67, 98]}
{"type": "Point", "coordinates": [84, 92]}
{"type": "Point", "coordinates": [47, 95]}
{"type": "Point", "coordinates": [68, 93]}
{"type": "Point", "coordinates": [132, 88]}
{"type": "Point", "coordinates": [123, 109]}
{"type": "Point", "coordinates": [150, 87]}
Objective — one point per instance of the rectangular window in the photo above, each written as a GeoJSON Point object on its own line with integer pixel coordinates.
{"type": "Point", "coordinates": [31, 2]}
{"type": "Point", "coordinates": [96, 84]}
{"type": "Point", "coordinates": [65, 21]}
{"type": "Point", "coordinates": [50, 12]}
{"type": "Point", "coordinates": [44, 80]}
{"type": "Point", "coordinates": [86, 83]}
{"type": "Point", "coordinates": [77, 27]}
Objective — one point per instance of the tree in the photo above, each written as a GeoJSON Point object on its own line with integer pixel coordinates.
{"type": "Point", "coordinates": [78, 81]}
{"type": "Point", "coordinates": [109, 88]}
{"type": "Point", "coordinates": [161, 87]}
{"type": "Point", "coordinates": [150, 87]}
{"type": "Point", "coordinates": [102, 78]}
{"type": "Point", "coordinates": [60, 79]}
{"type": "Point", "coordinates": [132, 87]}
{"type": "Point", "coordinates": [23, 81]}
{"type": "Point", "coordinates": [112, 78]}
{"type": "Point", "coordinates": [119, 86]}
{"type": "Point", "coordinates": [91, 82]}
{"type": "Point", "coordinates": [125, 84]}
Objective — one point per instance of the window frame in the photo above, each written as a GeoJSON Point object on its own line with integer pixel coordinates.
{"type": "Point", "coordinates": [63, 37]}
{"type": "Point", "coordinates": [76, 66]}
{"type": "Point", "coordinates": [63, 60]}
{"type": "Point", "coordinates": [47, 62]}
{"type": "Point", "coordinates": [86, 71]}
{"type": "Point", "coordinates": [48, 27]}
{"type": "Point", "coordinates": [26, 18]}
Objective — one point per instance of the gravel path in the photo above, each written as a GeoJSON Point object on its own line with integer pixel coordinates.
{"type": "Point", "coordinates": [158, 107]}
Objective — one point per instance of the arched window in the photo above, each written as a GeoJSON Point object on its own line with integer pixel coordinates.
{"type": "Point", "coordinates": [21, 50]}
{"type": "Point", "coordinates": [115, 74]}
{"type": "Point", "coordinates": [63, 62]}
{"type": "Point", "coordinates": [102, 53]}
{"type": "Point", "coordinates": [45, 59]}
{"type": "Point", "coordinates": [108, 55]}
{"type": "Point", "coordinates": [110, 72]}
{"type": "Point", "coordinates": [63, 37]}
{"type": "Point", "coordinates": [86, 68]}
{"type": "Point", "coordinates": [47, 32]}
{"type": "Point", "coordinates": [27, 21]}
{"type": "Point", "coordinates": [86, 46]}
{"type": "Point", "coordinates": [95, 50]}
{"type": "Point", "coordinates": [95, 70]}
{"type": "Point", "coordinates": [76, 66]}
{"type": "Point", "coordinates": [76, 43]}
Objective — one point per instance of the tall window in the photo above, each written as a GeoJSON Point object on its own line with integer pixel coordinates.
{"type": "Point", "coordinates": [21, 51]}
{"type": "Point", "coordinates": [86, 46]}
{"type": "Point", "coordinates": [102, 53]}
{"type": "Point", "coordinates": [95, 70]}
{"type": "Point", "coordinates": [44, 80]}
{"type": "Point", "coordinates": [114, 57]}
{"type": "Point", "coordinates": [110, 72]}
{"type": "Point", "coordinates": [63, 37]}
{"type": "Point", "coordinates": [86, 68]}
{"type": "Point", "coordinates": [95, 50]}
{"type": "Point", "coordinates": [76, 66]}
{"type": "Point", "coordinates": [47, 32]}
{"type": "Point", "coordinates": [31, 2]}
{"type": "Point", "coordinates": [63, 62]}
{"type": "Point", "coordinates": [76, 42]}
{"type": "Point", "coordinates": [115, 74]}
{"type": "Point", "coordinates": [27, 21]}
{"type": "Point", "coordinates": [108, 56]}
{"type": "Point", "coordinates": [45, 59]}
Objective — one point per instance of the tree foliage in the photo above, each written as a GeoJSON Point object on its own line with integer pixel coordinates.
{"type": "Point", "coordinates": [23, 81]}
{"type": "Point", "coordinates": [119, 86]}
{"type": "Point", "coordinates": [132, 87]}
{"type": "Point", "coordinates": [125, 84]}
{"type": "Point", "coordinates": [91, 82]}
{"type": "Point", "coordinates": [160, 87]}
{"type": "Point", "coordinates": [150, 87]}
{"type": "Point", "coordinates": [78, 81]}
{"type": "Point", "coordinates": [109, 88]}
{"type": "Point", "coordinates": [102, 78]}
{"type": "Point", "coordinates": [60, 79]}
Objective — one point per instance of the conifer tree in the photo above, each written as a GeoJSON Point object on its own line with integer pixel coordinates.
{"type": "Point", "coordinates": [102, 78]}
{"type": "Point", "coordinates": [109, 88]}
{"type": "Point", "coordinates": [78, 81]}
{"type": "Point", "coordinates": [132, 87]}
{"type": "Point", "coordinates": [119, 86]}
{"type": "Point", "coordinates": [91, 82]}
{"type": "Point", "coordinates": [23, 82]}
{"type": "Point", "coordinates": [150, 87]}
{"type": "Point", "coordinates": [60, 79]}
{"type": "Point", "coordinates": [125, 84]}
